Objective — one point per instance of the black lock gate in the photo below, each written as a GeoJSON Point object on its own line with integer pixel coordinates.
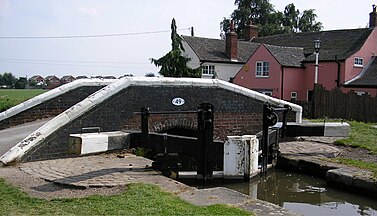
{"type": "Point", "coordinates": [204, 142]}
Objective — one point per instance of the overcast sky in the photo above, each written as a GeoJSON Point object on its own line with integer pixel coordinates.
{"type": "Point", "coordinates": [130, 53]}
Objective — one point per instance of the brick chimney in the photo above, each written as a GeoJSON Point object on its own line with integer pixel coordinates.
{"type": "Point", "coordinates": [373, 18]}
{"type": "Point", "coordinates": [231, 41]}
{"type": "Point", "coordinates": [251, 31]}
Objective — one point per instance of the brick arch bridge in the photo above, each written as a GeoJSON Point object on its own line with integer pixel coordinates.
{"type": "Point", "coordinates": [237, 111]}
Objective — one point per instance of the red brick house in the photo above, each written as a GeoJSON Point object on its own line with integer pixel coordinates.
{"type": "Point", "coordinates": [37, 79]}
{"type": "Point", "coordinates": [284, 65]}
{"type": "Point", "coordinates": [52, 82]}
{"type": "Point", "coordinates": [67, 79]}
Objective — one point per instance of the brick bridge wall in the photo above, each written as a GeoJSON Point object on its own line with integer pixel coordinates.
{"type": "Point", "coordinates": [235, 114]}
{"type": "Point", "coordinates": [50, 108]}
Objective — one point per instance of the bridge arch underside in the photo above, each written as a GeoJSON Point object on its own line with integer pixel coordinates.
{"type": "Point", "coordinates": [235, 114]}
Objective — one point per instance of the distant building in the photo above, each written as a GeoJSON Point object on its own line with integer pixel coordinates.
{"type": "Point", "coordinates": [52, 82]}
{"type": "Point", "coordinates": [81, 77]}
{"type": "Point", "coordinates": [37, 80]}
{"type": "Point", "coordinates": [67, 79]}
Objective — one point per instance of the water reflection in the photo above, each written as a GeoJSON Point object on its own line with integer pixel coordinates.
{"type": "Point", "coordinates": [305, 194]}
{"type": "Point", "coordinates": [302, 193]}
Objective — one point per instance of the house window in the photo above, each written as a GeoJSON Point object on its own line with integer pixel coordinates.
{"type": "Point", "coordinates": [360, 93]}
{"type": "Point", "coordinates": [293, 96]}
{"type": "Point", "coordinates": [359, 62]}
{"type": "Point", "coordinates": [262, 69]}
{"type": "Point", "coordinates": [267, 92]}
{"type": "Point", "coordinates": [208, 70]}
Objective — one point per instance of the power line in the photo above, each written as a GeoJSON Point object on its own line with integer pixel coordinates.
{"type": "Point", "coordinates": [74, 65]}
{"type": "Point", "coordinates": [69, 61]}
{"type": "Point", "coordinates": [89, 36]}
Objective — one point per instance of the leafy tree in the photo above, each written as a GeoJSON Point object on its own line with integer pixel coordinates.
{"type": "Point", "coordinates": [21, 83]}
{"type": "Point", "coordinates": [270, 21]}
{"type": "Point", "coordinates": [173, 64]}
{"type": "Point", "coordinates": [8, 80]}
{"type": "Point", "coordinates": [307, 22]}
{"type": "Point", "coordinates": [291, 18]}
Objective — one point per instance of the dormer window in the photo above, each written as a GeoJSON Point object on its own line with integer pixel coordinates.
{"type": "Point", "coordinates": [359, 62]}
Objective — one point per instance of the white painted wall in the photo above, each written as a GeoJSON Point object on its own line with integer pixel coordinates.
{"type": "Point", "coordinates": [195, 62]}
{"type": "Point", "coordinates": [224, 71]}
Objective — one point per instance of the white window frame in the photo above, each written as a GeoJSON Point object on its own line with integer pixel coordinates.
{"type": "Point", "coordinates": [268, 93]}
{"type": "Point", "coordinates": [208, 70]}
{"type": "Point", "coordinates": [262, 69]}
{"type": "Point", "coordinates": [294, 95]}
{"type": "Point", "coordinates": [358, 62]}
{"type": "Point", "coordinates": [360, 93]}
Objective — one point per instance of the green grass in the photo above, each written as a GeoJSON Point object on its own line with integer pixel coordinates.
{"type": "Point", "coordinates": [12, 97]}
{"type": "Point", "coordinates": [357, 163]}
{"type": "Point", "coordinates": [362, 135]}
{"type": "Point", "coordinates": [138, 199]}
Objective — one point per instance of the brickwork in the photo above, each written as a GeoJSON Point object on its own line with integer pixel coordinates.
{"type": "Point", "coordinates": [50, 108]}
{"type": "Point", "coordinates": [235, 114]}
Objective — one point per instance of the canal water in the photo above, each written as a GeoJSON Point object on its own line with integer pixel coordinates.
{"type": "Point", "coordinates": [303, 194]}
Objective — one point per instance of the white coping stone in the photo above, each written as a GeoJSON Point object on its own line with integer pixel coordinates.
{"type": "Point", "coordinates": [88, 143]}
{"type": "Point", "coordinates": [93, 142]}
{"type": "Point", "coordinates": [337, 129]}
{"type": "Point", "coordinates": [98, 97]}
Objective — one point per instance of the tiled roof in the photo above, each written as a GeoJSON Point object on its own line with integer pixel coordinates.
{"type": "Point", "coordinates": [367, 78]}
{"type": "Point", "coordinates": [51, 77]}
{"type": "Point", "coordinates": [67, 77]}
{"type": "Point", "coordinates": [287, 56]}
{"type": "Point", "coordinates": [342, 43]}
{"type": "Point", "coordinates": [208, 49]}
{"type": "Point", "coordinates": [36, 77]}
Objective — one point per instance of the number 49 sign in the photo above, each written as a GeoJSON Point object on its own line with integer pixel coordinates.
{"type": "Point", "coordinates": [178, 101]}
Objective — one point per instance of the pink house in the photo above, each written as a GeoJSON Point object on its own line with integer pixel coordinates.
{"type": "Point", "coordinates": [283, 65]}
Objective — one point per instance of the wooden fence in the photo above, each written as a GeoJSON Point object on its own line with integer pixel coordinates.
{"type": "Point", "coordinates": [336, 104]}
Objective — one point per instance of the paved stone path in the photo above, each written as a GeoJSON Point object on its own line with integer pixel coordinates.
{"type": "Point", "coordinates": [306, 148]}
{"type": "Point", "coordinates": [92, 171]}
{"type": "Point", "coordinates": [109, 170]}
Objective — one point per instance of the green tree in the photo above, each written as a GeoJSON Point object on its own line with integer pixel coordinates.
{"type": "Point", "coordinates": [291, 18]}
{"type": "Point", "coordinates": [257, 11]}
{"type": "Point", "coordinates": [7, 80]}
{"type": "Point", "coordinates": [173, 64]}
{"type": "Point", "coordinates": [21, 83]}
{"type": "Point", "coordinates": [270, 21]}
{"type": "Point", "coordinates": [308, 23]}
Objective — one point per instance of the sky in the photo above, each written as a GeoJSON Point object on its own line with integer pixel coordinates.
{"type": "Point", "coordinates": [144, 26]}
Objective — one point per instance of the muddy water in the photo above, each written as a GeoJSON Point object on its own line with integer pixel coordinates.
{"type": "Point", "coordinates": [304, 194]}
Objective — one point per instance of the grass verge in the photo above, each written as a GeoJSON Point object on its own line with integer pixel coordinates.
{"type": "Point", "coordinates": [138, 199]}
{"type": "Point", "coordinates": [12, 97]}
{"type": "Point", "coordinates": [357, 163]}
{"type": "Point", "coordinates": [362, 135]}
